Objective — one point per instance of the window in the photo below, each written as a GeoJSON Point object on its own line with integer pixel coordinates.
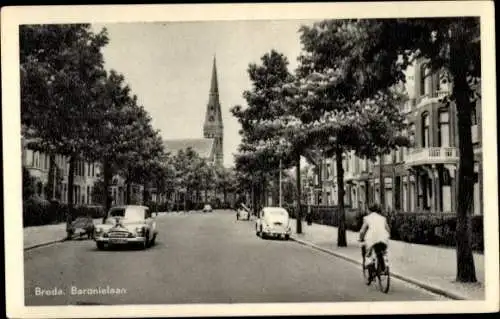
{"type": "Point", "coordinates": [425, 130]}
{"type": "Point", "coordinates": [444, 128]}
{"type": "Point", "coordinates": [88, 169]}
{"type": "Point", "coordinates": [422, 79]}
{"type": "Point", "coordinates": [328, 170]}
{"type": "Point", "coordinates": [29, 157]}
{"type": "Point", "coordinates": [93, 169]}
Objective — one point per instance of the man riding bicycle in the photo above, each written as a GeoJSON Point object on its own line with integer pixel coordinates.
{"type": "Point", "coordinates": [375, 233]}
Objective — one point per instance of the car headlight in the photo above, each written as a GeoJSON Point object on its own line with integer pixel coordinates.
{"type": "Point", "coordinates": [99, 230]}
{"type": "Point", "coordinates": [139, 231]}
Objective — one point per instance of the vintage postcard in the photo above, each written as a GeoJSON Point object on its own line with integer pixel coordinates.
{"type": "Point", "coordinates": [250, 159]}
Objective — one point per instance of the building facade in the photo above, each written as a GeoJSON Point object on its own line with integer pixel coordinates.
{"type": "Point", "coordinates": [422, 178]}
{"type": "Point", "coordinates": [86, 174]}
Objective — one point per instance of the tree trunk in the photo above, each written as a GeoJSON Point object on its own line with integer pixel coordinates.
{"type": "Point", "coordinates": [341, 234]}
{"type": "Point", "coordinates": [106, 181]}
{"type": "Point", "coordinates": [128, 192]}
{"type": "Point", "coordinates": [299, 194]}
{"type": "Point", "coordinates": [145, 194]}
{"type": "Point", "coordinates": [381, 181]}
{"type": "Point", "coordinates": [52, 178]}
{"type": "Point", "coordinates": [465, 259]}
{"type": "Point", "coordinates": [71, 199]}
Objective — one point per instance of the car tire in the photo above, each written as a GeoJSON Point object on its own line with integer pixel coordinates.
{"type": "Point", "coordinates": [100, 246]}
{"type": "Point", "coordinates": [146, 242]}
{"type": "Point", "coordinates": [287, 237]}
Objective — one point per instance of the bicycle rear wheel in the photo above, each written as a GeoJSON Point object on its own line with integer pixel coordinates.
{"type": "Point", "coordinates": [383, 275]}
{"type": "Point", "coordinates": [366, 271]}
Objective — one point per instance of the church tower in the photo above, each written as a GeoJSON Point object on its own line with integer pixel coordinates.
{"type": "Point", "coordinates": [213, 127]}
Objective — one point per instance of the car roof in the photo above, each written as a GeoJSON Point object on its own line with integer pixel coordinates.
{"type": "Point", "coordinates": [274, 209]}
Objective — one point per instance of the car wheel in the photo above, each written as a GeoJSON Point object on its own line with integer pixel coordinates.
{"type": "Point", "coordinates": [262, 234]}
{"type": "Point", "coordinates": [287, 237]}
{"type": "Point", "coordinates": [146, 242]}
{"type": "Point", "coordinates": [100, 246]}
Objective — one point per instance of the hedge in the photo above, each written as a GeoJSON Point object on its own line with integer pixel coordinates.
{"type": "Point", "coordinates": [419, 228]}
{"type": "Point", "coordinates": [37, 211]}
{"type": "Point", "coordinates": [179, 206]}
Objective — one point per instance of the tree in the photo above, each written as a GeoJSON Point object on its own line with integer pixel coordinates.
{"type": "Point", "coordinates": [60, 68]}
{"type": "Point", "coordinates": [261, 150]}
{"type": "Point", "coordinates": [333, 116]}
{"type": "Point", "coordinates": [29, 188]}
{"type": "Point", "coordinates": [450, 46]}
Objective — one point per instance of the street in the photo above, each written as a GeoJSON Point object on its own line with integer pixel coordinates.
{"type": "Point", "coordinates": [200, 258]}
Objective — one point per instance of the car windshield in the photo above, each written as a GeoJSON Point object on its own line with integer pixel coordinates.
{"type": "Point", "coordinates": [129, 213]}
{"type": "Point", "coordinates": [277, 213]}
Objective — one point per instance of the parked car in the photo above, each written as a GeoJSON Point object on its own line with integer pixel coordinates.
{"type": "Point", "coordinates": [82, 226]}
{"type": "Point", "coordinates": [273, 222]}
{"type": "Point", "coordinates": [207, 208]}
{"type": "Point", "coordinates": [125, 225]}
{"type": "Point", "coordinates": [242, 213]}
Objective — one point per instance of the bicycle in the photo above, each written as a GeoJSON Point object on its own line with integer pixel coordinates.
{"type": "Point", "coordinates": [378, 270]}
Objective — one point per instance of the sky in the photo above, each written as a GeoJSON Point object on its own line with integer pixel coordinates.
{"type": "Point", "coordinates": [169, 65]}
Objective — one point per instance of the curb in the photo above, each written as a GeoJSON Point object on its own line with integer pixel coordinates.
{"type": "Point", "coordinates": [426, 286]}
{"type": "Point", "coordinates": [44, 244]}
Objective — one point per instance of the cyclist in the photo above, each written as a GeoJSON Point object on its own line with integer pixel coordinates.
{"type": "Point", "coordinates": [375, 232]}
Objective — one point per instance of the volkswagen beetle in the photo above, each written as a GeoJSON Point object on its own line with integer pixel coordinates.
{"type": "Point", "coordinates": [273, 222]}
{"type": "Point", "coordinates": [124, 225]}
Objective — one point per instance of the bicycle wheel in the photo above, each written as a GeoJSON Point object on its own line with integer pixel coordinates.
{"type": "Point", "coordinates": [366, 272]}
{"type": "Point", "coordinates": [383, 275]}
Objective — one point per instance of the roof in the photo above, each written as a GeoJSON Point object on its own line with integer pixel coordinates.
{"type": "Point", "coordinates": [202, 146]}
{"type": "Point", "coordinates": [274, 209]}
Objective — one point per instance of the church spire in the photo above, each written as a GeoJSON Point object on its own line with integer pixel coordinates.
{"type": "Point", "coordinates": [213, 127]}
{"type": "Point", "coordinates": [214, 85]}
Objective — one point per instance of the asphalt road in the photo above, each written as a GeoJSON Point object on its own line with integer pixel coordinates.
{"type": "Point", "coordinates": [200, 258]}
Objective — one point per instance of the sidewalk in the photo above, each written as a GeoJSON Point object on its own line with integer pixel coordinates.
{"type": "Point", "coordinates": [37, 236]}
{"type": "Point", "coordinates": [433, 268]}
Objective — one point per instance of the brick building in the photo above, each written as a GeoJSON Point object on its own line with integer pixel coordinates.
{"type": "Point", "coordinates": [420, 178]}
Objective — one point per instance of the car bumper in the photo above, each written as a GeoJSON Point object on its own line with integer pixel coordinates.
{"type": "Point", "coordinates": [277, 232]}
{"type": "Point", "coordinates": [121, 241]}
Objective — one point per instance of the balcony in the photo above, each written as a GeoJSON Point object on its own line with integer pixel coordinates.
{"type": "Point", "coordinates": [432, 155]}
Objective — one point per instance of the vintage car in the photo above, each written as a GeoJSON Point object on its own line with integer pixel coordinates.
{"type": "Point", "coordinates": [207, 208]}
{"type": "Point", "coordinates": [243, 212]}
{"type": "Point", "coordinates": [130, 224]}
{"type": "Point", "coordinates": [82, 226]}
{"type": "Point", "coordinates": [273, 222]}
